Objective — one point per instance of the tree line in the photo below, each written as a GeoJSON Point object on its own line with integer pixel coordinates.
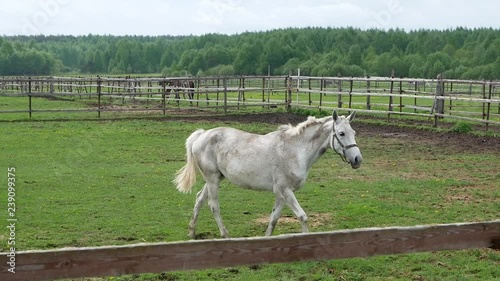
{"type": "Point", "coordinates": [458, 53]}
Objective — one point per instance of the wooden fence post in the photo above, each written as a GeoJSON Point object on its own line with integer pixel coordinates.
{"type": "Point", "coordinates": [207, 98]}
{"type": "Point", "coordinates": [264, 91]}
{"type": "Point", "coordinates": [488, 107]}
{"type": "Point", "coordinates": [339, 88]}
{"type": "Point", "coordinates": [484, 97]}
{"type": "Point", "coordinates": [224, 82]}
{"type": "Point", "coordinates": [400, 97]}
{"type": "Point", "coordinates": [309, 87]}
{"type": "Point", "coordinates": [218, 86]}
{"type": "Point", "coordinates": [289, 94]}
{"type": "Point", "coordinates": [29, 95]}
{"type": "Point", "coordinates": [368, 105]}
{"type": "Point", "coordinates": [391, 99]}
{"type": "Point", "coordinates": [270, 84]}
{"type": "Point", "coordinates": [321, 84]}
{"type": "Point", "coordinates": [451, 102]}
{"type": "Point", "coordinates": [99, 96]}
{"type": "Point", "coordinates": [416, 87]}
{"type": "Point", "coordinates": [439, 103]}
{"type": "Point", "coordinates": [241, 94]}
{"type": "Point", "coordinates": [163, 94]}
{"type": "Point", "coordinates": [351, 82]}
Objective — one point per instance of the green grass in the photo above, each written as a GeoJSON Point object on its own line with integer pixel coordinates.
{"type": "Point", "coordinates": [462, 127]}
{"type": "Point", "coordinates": [91, 183]}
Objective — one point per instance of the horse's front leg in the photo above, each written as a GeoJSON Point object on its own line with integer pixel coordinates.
{"type": "Point", "coordinates": [292, 202]}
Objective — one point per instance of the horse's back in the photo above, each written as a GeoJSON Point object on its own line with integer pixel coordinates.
{"type": "Point", "coordinates": [243, 158]}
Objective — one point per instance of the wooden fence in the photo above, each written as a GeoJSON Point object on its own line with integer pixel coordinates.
{"type": "Point", "coordinates": [104, 94]}
{"type": "Point", "coordinates": [435, 99]}
{"type": "Point", "coordinates": [476, 101]}
{"type": "Point", "coordinates": [202, 254]}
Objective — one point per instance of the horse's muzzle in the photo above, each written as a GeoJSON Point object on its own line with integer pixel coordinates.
{"type": "Point", "coordinates": [356, 162]}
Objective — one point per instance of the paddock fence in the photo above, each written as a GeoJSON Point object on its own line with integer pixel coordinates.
{"type": "Point", "coordinates": [127, 94]}
{"type": "Point", "coordinates": [433, 99]}
{"type": "Point", "coordinates": [217, 253]}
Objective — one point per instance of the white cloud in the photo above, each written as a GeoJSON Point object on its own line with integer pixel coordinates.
{"type": "Point", "coordinates": [169, 17]}
{"type": "Point", "coordinates": [214, 12]}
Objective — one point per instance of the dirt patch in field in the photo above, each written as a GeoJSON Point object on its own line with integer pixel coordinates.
{"type": "Point", "coordinates": [313, 219]}
{"type": "Point", "coordinates": [462, 142]}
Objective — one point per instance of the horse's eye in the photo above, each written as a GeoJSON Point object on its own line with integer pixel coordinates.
{"type": "Point", "coordinates": [341, 134]}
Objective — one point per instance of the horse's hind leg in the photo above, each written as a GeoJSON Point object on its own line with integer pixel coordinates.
{"type": "Point", "coordinates": [275, 215]}
{"type": "Point", "coordinates": [191, 97]}
{"type": "Point", "coordinates": [212, 187]}
{"type": "Point", "coordinates": [177, 97]}
{"type": "Point", "coordinates": [201, 196]}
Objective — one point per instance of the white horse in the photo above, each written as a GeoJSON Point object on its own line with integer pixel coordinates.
{"type": "Point", "coordinates": [278, 161]}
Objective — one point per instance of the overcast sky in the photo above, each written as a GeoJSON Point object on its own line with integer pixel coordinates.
{"type": "Point", "coordinates": [185, 17]}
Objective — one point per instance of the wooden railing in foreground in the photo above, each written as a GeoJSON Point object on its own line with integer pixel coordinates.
{"type": "Point", "coordinates": [188, 255]}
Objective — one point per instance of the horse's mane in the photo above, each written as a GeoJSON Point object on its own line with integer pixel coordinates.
{"type": "Point", "coordinates": [299, 128]}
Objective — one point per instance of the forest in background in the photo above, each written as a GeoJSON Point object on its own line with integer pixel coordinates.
{"type": "Point", "coordinates": [458, 53]}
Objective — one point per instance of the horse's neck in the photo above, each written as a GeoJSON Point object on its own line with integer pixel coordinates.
{"type": "Point", "coordinates": [313, 143]}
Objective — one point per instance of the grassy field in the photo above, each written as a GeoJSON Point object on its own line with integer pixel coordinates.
{"type": "Point", "coordinates": [103, 182]}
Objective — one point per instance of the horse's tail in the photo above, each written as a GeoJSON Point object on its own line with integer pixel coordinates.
{"type": "Point", "coordinates": [186, 176]}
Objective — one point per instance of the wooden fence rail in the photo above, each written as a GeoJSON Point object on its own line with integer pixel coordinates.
{"type": "Point", "coordinates": [202, 254]}
{"type": "Point", "coordinates": [475, 101]}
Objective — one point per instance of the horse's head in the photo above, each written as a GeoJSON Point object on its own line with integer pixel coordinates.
{"type": "Point", "coordinates": [343, 140]}
{"type": "Point", "coordinates": [166, 83]}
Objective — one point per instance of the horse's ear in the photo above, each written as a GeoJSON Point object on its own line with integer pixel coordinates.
{"type": "Point", "coordinates": [351, 116]}
{"type": "Point", "coordinates": [335, 116]}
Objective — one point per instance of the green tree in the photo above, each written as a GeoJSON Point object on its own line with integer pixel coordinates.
{"type": "Point", "coordinates": [434, 68]}
{"type": "Point", "coordinates": [167, 58]}
{"type": "Point", "coordinates": [186, 60]}
{"type": "Point", "coordinates": [6, 48]}
{"type": "Point", "coordinates": [226, 70]}
{"type": "Point", "coordinates": [247, 59]}
{"type": "Point", "coordinates": [383, 65]}
{"type": "Point", "coordinates": [290, 66]}
{"type": "Point", "coordinates": [436, 63]}
{"type": "Point", "coordinates": [354, 55]}
{"type": "Point", "coordinates": [355, 71]}
{"type": "Point", "coordinates": [461, 52]}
